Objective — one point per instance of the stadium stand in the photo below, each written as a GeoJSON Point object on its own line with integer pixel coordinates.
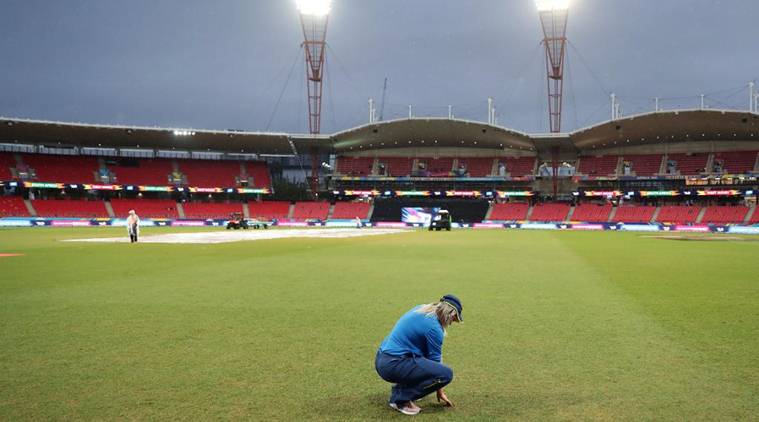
{"type": "Point", "coordinates": [12, 206]}
{"type": "Point", "coordinates": [437, 167]}
{"type": "Point", "coordinates": [736, 162]}
{"type": "Point", "coordinates": [509, 212]}
{"type": "Point", "coordinates": [350, 210]}
{"type": "Point", "coordinates": [634, 214]}
{"type": "Point", "coordinates": [754, 218]}
{"type": "Point", "coordinates": [69, 208]}
{"type": "Point", "coordinates": [397, 166]}
{"type": "Point", "coordinates": [6, 162]}
{"type": "Point", "coordinates": [519, 166]}
{"type": "Point", "coordinates": [210, 210]}
{"type": "Point", "coordinates": [689, 164]}
{"type": "Point", "coordinates": [355, 166]}
{"type": "Point", "coordinates": [678, 214]}
{"type": "Point", "coordinates": [269, 209]}
{"type": "Point", "coordinates": [145, 208]}
{"type": "Point", "coordinates": [310, 211]}
{"type": "Point", "coordinates": [725, 215]}
{"type": "Point", "coordinates": [259, 171]}
{"type": "Point", "coordinates": [62, 168]}
{"type": "Point", "coordinates": [207, 173]}
{"type": "Point", "coordinates": [592, 213]}
{"type": "Point", "coordinates": [602, 166]}
{"type": "Point", "coordinates": [550, 212]}
{"type": "Point", "coordinates": [644, 165]}
{"type": "Point", "coordinates": [151, 172]}
{"type": "Point", "coordinates": [478, 167]}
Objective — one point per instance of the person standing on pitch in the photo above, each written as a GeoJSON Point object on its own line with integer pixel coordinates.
{"type": "Point", "coordinates": [411, 356]}
{"type": "Point", "coordinates": [133, 226]}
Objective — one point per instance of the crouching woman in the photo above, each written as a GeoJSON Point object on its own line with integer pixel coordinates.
{"type": "Point", "coordinates": [411, 356]}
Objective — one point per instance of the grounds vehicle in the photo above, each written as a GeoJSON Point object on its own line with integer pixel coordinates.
{"type": "Point", "coordinates": [440, 221]}
{"type": "Point", "coordinates": [237, 222]}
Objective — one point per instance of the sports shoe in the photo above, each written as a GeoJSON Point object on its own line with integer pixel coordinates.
{"type": "Point", "coordinates": [405, 409]}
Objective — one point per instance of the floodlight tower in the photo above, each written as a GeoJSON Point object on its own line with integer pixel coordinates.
{"type": "Point", "coordinates": [553, 19]}
{"type": "Point", "coordinates": [314, 16]}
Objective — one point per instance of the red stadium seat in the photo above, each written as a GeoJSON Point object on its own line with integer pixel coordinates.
{"type": "Point", "coordinates": [725, 215]}
{"type": "Point", "coordinates": [437, 167]}
{"type": "Point", "coordinates": [6, 162]}
{"type": "Point", "coordinates": [145, 208]}
{"type": "Point", "coordinates": [645, 164]}
{"type": "Point", "coordinates": [269, 210]}
{"type": "Point", "coordinates": [12, 206]}
{"type": "Point", "coordinates": [478, 167]}
{"type": "Point", "coordinates": [355, 166]}
{"type": "Point", "coordinates": [211, 210]}
{"type": "Point", "coordinates": [602, 166]}
{"type": "Point", "coordinates": [310, 211]}
{"type": "Point", "coordinates": [70, 208]}
{"type": "Point", "coordinates": [550, 212]}
{"type": "Point", "coordinates": [737, 162]}
{"type": "Point", "coordinates": [62, 168]}
{"type": "Point", "coordinates": [509, 212]}
{"type": "Point", "coordinates": [145, 171]}
{"type": "Point", "coordinates": [208, 173]}
{"type": "Point", "coordinates": [592, 213]}
{"type": "Point", "coordinates": [690, 164]}
{"type": "Point", "coordinates": [678, 214]}
{"type": "Point", "coordinates": [519, 167]}
{"type": "Point", "coordinates": [634, 214]}
{"type": "Point", "coordinates": [259, 171]}
{"type": "Point", "coordinates": [397, 166]}
{"type": "Point", "coordinates": [350, 210]}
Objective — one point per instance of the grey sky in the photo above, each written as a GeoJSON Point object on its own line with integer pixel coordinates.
{"type": "Point", "coordinates": [223, 64]}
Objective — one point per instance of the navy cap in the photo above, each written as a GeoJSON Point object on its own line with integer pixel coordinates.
{"type": "Point", "coordinates": [455, 302]}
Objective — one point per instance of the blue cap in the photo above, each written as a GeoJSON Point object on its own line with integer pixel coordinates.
{"type": "Point", "coordinates": [455, 302]}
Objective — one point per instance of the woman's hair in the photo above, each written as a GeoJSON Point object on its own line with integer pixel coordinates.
{"type": "Point", "coordinates": [444, 311]}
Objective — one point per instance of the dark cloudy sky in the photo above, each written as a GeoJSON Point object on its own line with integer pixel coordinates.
{"type": "Point", "coordinates": [224, 64]}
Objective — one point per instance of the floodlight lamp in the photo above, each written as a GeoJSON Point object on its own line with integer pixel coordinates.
{"type": "Point", "coordinates": [549, 5]}
{"type": "Point", "coordinates": [317, 8]}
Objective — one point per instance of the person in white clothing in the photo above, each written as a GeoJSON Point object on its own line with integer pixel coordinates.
{"type": "Point", "coordinates": [133, 226]}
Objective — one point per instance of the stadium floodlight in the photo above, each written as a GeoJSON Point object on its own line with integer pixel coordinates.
{"type": "Point", "coordinates": [546, 5]}
{"type": "Point", "coordinates": [317, 8]}
{"type": "Point", "coordinates": [553, 19]}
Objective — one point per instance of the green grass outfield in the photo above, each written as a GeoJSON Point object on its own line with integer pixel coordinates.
{"type": "Point", "coordinates": [559, 326]}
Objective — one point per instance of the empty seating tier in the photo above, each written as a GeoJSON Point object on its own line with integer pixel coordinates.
{"type": "Point", "coordinates": [355, 166]}
{"type": "Point", "coordinates": [145, 171]}
{"type": "Point", "coordinates": [519, 166]}
{"type": "Point", "coordinates": [145, 208]}
{"type": "Point", "coordinates": [509, 212]}
{"type": "Point", "coordinates": [310, 211]}
{"type": "Point", "coordinates": [736, 162]}
{"type": "Point", "coordinates": [678, 214]}
{"type": "Point", "coordinates": [12, 206]}
{"type": "Point", "coordinates": [350, 210]}
{"type": "Point", "coordinates": [603, 166]}
{"type": "Point", "coordinates": [259, 171]}
{"type": "Point", "coordinates": [644, 165]}
{"type": "Point", "coordinates": [397, 166]}
{"type": "Point", "coordinates": [207, 173]}
{"type": "Point", "coordinates": [62, 168]}
{"type": "Point", "coordinates": [725, 215]}
{"type": "Point", "coordinates": [549, 212]}
{"type": "Point", "coordinates": [689, 164]}
{"type": "Point", "coordinates": [6, 162]}
{"type": "Point", "coordinates": [478, 167]}
{"type": "Point", "coordinates": [592, 213]}
{"type": "Point", "coordinates": [634, 214]}
{"type": "Point", "coordinates": [269, 210]}
{"type": "Point", "coordinates": [437, 167]}
{"type": "Point", "coordinates": [70, 208]}
{"type": "Point", "coordinates": [210, 210]}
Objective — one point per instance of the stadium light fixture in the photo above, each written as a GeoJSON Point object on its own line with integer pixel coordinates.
{"type": "Point", "coordinates": [548, 5]}
{"type": "Point", "coordinates": [184, 133]}
{"type": "Point", "coordinates": [316, 8]}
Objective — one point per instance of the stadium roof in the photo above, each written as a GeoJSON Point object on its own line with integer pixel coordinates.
{"type": "Point", "coordinates": [642, 129]}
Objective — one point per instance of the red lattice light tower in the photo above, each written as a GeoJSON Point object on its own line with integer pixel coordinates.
{"type": "Point", "coordinates": [314, 16]}
{"type": "Point", "coordinates": [553, 18]}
